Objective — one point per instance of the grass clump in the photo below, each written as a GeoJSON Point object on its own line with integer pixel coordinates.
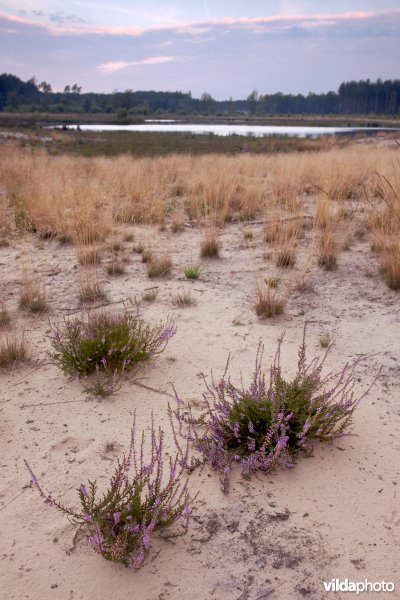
{"type": "Point", "coordinates": [88, 256]}
{"type": "Point", "coordinates": [140, 499]}
{"type": "Point", "coordinates": [5, 318]}
{"type": "Point", "coordinates": [107, 342]}
{"type": "Point", "coordinates": [184, 298]}
{"type": "Point", "coordinates": [33, 297]}
{"type": "Point", "coordinates": [210, 245]}
{"type": "Point", "coordinates": [115, 269]}
{"type": "Point", "coordinates": [91, 292]}
{"type": "Point", "coordinates": [12, 350]}
{"type": "Point", "coordinates": [192, 271]}
{"type": "Point", "coordinates": [159, 267]}
{"type": "Point", "coordinates": [275, 419]}
{"type": "Point", "coordinates": [269, 303]}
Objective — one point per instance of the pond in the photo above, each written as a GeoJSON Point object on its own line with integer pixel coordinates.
{"type": "Point", "coordinates": [164, 126]}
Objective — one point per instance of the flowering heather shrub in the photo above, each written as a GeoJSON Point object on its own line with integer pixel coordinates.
{"type": "Point", "coordinates": [106, 341]}
{"type": "Point", "coordinates": [269, 423]}
{"type": "Point", "coordinates": [140, 499]}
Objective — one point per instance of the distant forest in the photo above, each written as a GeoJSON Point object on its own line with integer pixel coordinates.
{"type": "Point", "coordinates": [353, 97]}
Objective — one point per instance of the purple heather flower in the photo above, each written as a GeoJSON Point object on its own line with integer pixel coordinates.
{"type": "Point", "coordinates": [84, 491]}
{"type": "Point", "coordinates": [117, 517]}
{"type": "Point", "coordinates": [251, 445]}
{"type": "Point", "coordinates": [282, 443]}
{"type": "Point", "coordinates": [251, 427]}
{"type": "Point", "coordinates": [146, 540]}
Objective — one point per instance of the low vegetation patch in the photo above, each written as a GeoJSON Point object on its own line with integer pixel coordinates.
{"type": "Point", "coordinates": [12, 350]}
{"type": "Point", "coordinates": [210, 245]}
{"type": "Point", "coordinates": [159, 267]}
{"type": "Point", "coordinates": [139, 500]}
{"type": "Point", "coordinates": [192, 271]}
{"type": "Point", "coordinates": [106, 341]}
{"type": "Point", "coordinates": [184, 298]}
{"type": "Point", "coordinates": [269, 302]}
{"type": "Point", "coordinates": [271, 422]}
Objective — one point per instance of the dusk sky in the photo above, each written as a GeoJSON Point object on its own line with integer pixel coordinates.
{"type": "Point", "coordinates": [224, 47]}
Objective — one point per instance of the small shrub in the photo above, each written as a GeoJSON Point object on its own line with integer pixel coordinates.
{"type": "Point", "coordinates": [150, 294]}
{"type": "Point", "coordinates": [103, 383]}
{"type": "Point", "coordinates": [159, 267]}
{"type": "Point", "coordinates": [139, 500]}
{"type": "Point", "coordinates": [248, 234]}
{"type": "Point", "coordinates": [106, 341]}
{"type": "Point", "coordinates": [192, 271]}
{"type": "Point", "coordinates": [268, 303]}
{"type": "Point", "coordinates": [129, 237]}
{"type": "Point", "coordinates": [274, 420]}
{"type": "Point", "coordinates": [184, 298]}
{"type": "Point", "coordinates": [12, 350]}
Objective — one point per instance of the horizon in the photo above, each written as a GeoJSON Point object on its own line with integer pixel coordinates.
{"type": "Point", "coordinates": [227, 50]}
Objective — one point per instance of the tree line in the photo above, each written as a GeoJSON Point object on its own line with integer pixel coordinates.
{"type": "Point", "coordinates": [363, 97]}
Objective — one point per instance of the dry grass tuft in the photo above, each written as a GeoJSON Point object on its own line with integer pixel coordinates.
{"type": "Point", "coordinates": [269, 303]}
{"type": "Point", "coordinates": [33, 297]}
{"type": "Point", "coordinates": [210, 244]}
{"type": "Point", "coordinates": [12, 350]}
{"type": "Point", "coordinates": [184, 298]}
{"type": "Point", "coordinates": [159, 266]}
{"type": "Point", "coordinates": [329, 250]}
{"type": "Point", "coordinates": [88, 256]}
{"type": "Point", "coordinates": [5, 318]}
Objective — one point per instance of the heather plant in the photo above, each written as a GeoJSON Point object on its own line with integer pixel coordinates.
{"type": "Point", "coordinates": [106, 341]}
{"type": "Point", "coordinates": [140, 499]}
{"type": "Point", "coordinates": [275, 419]}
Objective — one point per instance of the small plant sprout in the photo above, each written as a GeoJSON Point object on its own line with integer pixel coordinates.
{"type": "Point", "coordinates": [274, 420]}
{"type": "Point", "coordinates": [141, 499]}
{"type": "Point", "coordinates": [192, 271]}
{"type": "Point", "coordinates": [106, 341]}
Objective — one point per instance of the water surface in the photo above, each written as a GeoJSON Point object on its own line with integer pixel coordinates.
{"type": "Point", "coordinates": [162, 126]}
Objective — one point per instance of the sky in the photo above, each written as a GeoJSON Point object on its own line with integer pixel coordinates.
{"type": "Point", "coordinates": [226, 48]}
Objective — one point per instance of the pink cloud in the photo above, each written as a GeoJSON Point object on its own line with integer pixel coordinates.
{"type": "Point", "coordinates": [113, 66]}
{"type": "Point", "coordinates": [199, 27]}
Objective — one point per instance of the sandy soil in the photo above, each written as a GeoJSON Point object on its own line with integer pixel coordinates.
{"type": "Point", "coordinates": [336, 515]}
